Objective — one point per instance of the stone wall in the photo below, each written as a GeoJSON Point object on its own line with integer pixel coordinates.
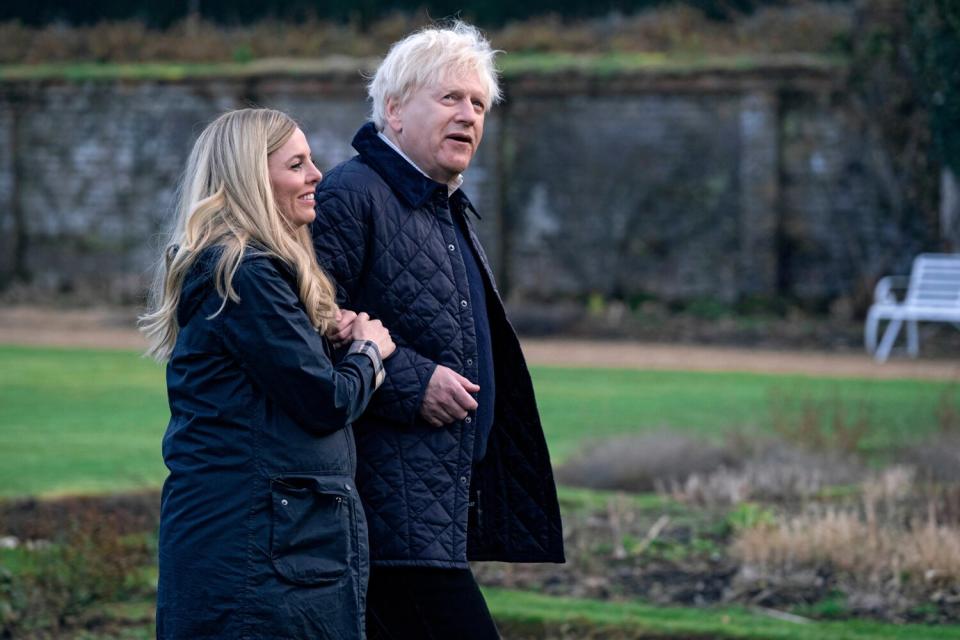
{"type": "Point", "coordinates": [721, 185]}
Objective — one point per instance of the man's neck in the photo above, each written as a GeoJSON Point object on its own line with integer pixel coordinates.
{"type": "Point", "coordinates": [388, 136]}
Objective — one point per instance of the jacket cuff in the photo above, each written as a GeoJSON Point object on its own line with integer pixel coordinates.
{"type": "Point", "coordinates": [372, 351]}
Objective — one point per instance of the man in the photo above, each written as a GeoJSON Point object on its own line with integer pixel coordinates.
{"type": "Point", "coordinates": [452, 462]}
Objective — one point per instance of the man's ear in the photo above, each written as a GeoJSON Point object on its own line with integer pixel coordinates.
{"type": "Point", "coordinates": [394, 114]}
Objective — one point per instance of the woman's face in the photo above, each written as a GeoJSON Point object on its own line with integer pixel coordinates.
{"type": "Point", "coordinates": [293, 178]}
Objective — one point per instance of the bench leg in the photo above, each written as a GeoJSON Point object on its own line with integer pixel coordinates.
{"type": "Point", "coordinates": [889, 337]}
{"type": "Point", "coordinates": [870, 332]}
{"type": "Point", "coordinates": [913, 339]}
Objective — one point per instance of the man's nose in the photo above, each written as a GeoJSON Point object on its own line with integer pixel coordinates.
{"type": "Point", "coordinates": [466, 112]}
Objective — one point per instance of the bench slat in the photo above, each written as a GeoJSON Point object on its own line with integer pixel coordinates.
{"type": "Point", "coordinates": [932, 295]}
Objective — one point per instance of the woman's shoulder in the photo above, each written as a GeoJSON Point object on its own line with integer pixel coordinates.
{"type": "Point", "coordinates": [256, 265]}
{"type": "Point", "coordinates": [263, 275]}
{"type": "Point", "coordinates": [258, 261]}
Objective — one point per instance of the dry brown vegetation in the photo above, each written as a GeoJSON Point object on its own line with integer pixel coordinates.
{"type": "Point", "coordinates": [799, 521]}
{"type": "Point", "coordinates": [639, 464]}
{"type": "Point", "coordinates": [71, 556]}
{"type": "Point", "coordinates": [811, 27]}
{"type": "Point", "coordinates": [896, 549]}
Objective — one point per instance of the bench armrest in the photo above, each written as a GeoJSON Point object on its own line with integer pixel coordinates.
{"type": "Point", "coordinates": [883, 292]}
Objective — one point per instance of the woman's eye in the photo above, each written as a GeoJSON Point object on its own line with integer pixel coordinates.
{"type": "Point", "coordinates": [296, 165]}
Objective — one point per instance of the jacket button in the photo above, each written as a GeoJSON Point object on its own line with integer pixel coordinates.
{"type": "Point", "coordinates": [468, 419]}
{"type": "Point", "coordinates": [347, 486]}
{"type": "Point", "coordinates": [463, 479]}
{"type": "Point", "coordinates": [451, 248]}
{"type": "Point", "coordinates": [469, 361]}
{"type": "Point", "coordinates": [463, 303]}
{"type": "Point", "coordinates": [284, 502]}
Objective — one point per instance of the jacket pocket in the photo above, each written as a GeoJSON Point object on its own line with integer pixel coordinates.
{"type": "Point", "coordinates": [312, 533]}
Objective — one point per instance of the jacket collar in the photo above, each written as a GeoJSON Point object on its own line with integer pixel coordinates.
{"type": "Point", "coordinates": [414, 188]}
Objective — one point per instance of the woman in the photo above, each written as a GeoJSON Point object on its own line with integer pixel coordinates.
{"type": "Point", "coordinates": [262, 534]}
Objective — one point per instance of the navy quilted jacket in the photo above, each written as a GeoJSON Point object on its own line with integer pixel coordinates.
{"type": "Point", "coordinates": [386, 234]}
{"type": "Point", "coordinates": [262, 535]}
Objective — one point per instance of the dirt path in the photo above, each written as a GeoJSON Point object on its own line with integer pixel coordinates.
{"type": "Point", "coordinates": [114, 328]}
{"type": "Point", "coordinates": [639, 355]}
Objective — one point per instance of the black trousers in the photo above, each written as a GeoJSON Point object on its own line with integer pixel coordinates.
{"type": "Point", "coordinates": [426, 604]}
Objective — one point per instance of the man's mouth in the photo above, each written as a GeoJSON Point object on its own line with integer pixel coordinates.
{"type": "Point", "coordinates": [460, 137]}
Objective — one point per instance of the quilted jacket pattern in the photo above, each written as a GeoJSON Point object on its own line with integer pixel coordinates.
{"type": "Point", "coordinates": [386, 234]}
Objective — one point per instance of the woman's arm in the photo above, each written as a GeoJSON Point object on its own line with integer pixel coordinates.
{"type": "Point", "coordinates": [269, 333]}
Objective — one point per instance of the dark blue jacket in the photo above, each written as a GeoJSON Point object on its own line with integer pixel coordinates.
{"type": "Point", "coordinates": [262, 534]}
{"type": "Point", "coordinates": [386, 233]}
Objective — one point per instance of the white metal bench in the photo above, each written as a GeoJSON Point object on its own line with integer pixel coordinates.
{"type": "Point", "coordinates": [933, 295]}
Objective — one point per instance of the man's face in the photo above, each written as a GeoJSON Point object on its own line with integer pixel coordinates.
{"type": "Point", "coordinates": [439, 127]}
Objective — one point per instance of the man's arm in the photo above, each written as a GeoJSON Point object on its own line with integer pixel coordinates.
{"type": "Point", "coordinates": [341, 238]}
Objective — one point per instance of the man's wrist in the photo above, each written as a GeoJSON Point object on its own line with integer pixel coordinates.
{"type": "Point", "coordinates": [370, 349]}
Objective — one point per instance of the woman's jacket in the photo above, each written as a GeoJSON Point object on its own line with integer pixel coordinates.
{"type": "Point", "coordinates": [262, 534]}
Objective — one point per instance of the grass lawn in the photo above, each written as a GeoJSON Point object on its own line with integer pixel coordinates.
{"type": "Point", "coordinates": [530, 615]}
{"type": "Point", "coordinates": [522, 614]}
{"type": "Point", "coordinates": [578, 405]}
{"type": "Point", "coordinates": [83, 420]}
{"type": "Point", "coordinates": [633, 621]}
{"type": "Point", "coordinates": [77, 421]}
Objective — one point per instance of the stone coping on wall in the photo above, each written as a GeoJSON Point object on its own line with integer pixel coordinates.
{"type": "Point", "coordinates": [544, 74]}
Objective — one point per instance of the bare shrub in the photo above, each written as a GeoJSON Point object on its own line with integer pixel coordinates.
{"type": "Point", "coordinates": [677, 28]}
{"type": "Point", "coordinates": [884, 548]}
{"type": "Point", "coordinates": [776, 472]}
{"type": "Point", "coordinates": [942, 498]}
{"type": "Point", "coordinates": [744, 468]}
{"type": "Point", "coordinates": [14, 40]}
{"type": "Point", "coordinates": [674, 29]}
{"type": "Point", "coordinates": [33, 519]}
{"type": "Point", "coordinates": [642, 463]}
{"type": "Point", "coordinates": [847, 542]}
{"type": "Point", "coordinates": [936, 460]}
{"type": "Point", "coordinates": [682, 29]}
{"type": "Point", "coordinates": [807, 26]}
{"type": "Point", "coordinates": [948, 410]}
{"type": "Point", "coordinates": [819, 425]}
{"type": "Point", "coordinates": [57, 583]}
{"type": "Point", "coordinates": [546, 34]}
{"type": "Point", "coordinates": [870, 545]}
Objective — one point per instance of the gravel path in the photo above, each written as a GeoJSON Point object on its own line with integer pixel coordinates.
{"type": "Point", "coordinates": [114, 328]}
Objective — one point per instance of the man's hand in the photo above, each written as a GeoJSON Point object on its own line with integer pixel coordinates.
{"type": "Point", "coordinates": [343, 331]}
{"type": "Point", "coordinates": [448, 397]}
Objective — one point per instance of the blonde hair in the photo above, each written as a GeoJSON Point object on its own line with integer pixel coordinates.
{"type": "Point", "coordinates": [422, 59]}
{"type": "Point", "coordinates": [226, 201]}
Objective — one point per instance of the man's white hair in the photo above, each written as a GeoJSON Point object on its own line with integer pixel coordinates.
{"type": "Point", "coordinates": [423, 59]}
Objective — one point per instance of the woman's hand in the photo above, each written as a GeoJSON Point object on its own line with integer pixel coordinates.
{"type": "Point", "coordinates": [343, 330]}
{"type": "Point", "coordinates": [364, 328]}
